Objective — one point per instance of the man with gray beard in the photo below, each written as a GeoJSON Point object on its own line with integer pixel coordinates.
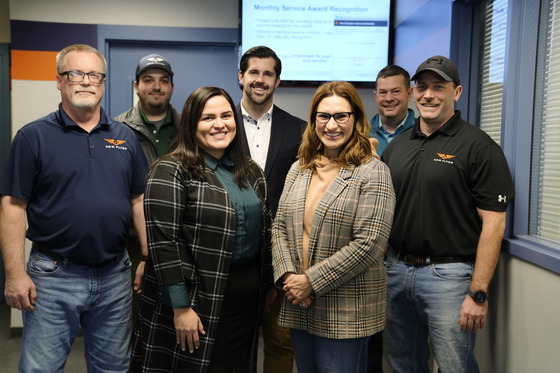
{"type": "Point", "coordinates": [78, 178]}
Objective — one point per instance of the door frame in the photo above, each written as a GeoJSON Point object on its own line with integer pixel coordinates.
{"type": "Point", "coordinates": [108, 34]}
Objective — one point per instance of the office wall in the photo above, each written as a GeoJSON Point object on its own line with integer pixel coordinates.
{"type": "Point", "coordinates": [172, 13]}
{"type": "Point", "coordinates": [211, 14]}
{"type": "Point", "coordinates": [164, 13]}
{"type": "Point", "coordinates": [523, 330]}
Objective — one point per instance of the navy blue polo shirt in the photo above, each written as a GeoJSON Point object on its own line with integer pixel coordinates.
{"type": "Point", "coordinates": [440, 181]}
{"type": "Point", "coordinates": [77, 185]}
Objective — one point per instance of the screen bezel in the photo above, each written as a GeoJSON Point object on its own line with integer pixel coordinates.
{"type": "Point", "coordinates": [316, 83]}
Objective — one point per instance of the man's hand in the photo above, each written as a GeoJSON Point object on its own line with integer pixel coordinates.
{"type": "Point", "coordinates": [473, 315]}
{"type": "Point", "coordinates": [139, 277]}
{"type": "Point", "coordinates": [20, 292]}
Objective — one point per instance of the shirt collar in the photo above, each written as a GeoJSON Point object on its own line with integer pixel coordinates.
{"type": "Point", "coordinates": [247, 117]}
{"type": "Point", "coordinates": [168, 117]}
{"type": "Point", "coordinates": [401, 124]}
{"type": "Point", "coordinates": [67, 122]}
{"type": "Point", "coordinates": [449, 128]}
{"type": "Point", "coordinates": [213, 163]}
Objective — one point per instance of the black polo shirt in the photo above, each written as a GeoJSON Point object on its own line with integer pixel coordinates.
{"type": "Point", "coordinates": [439, 182]}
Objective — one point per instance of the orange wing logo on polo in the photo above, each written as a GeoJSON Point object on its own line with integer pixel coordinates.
{"type": "Point", "coordinates": [445, 156]}
{"type": "Point", "coordinates": [115, 142]}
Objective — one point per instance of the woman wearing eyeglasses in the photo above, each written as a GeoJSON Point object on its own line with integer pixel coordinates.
{"type": "Point", "coordinates": [329, 236]}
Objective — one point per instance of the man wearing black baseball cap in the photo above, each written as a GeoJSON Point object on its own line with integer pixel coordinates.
{"type": "Point", "coordinates": [453, 187]}
{"type": "Point", "coordinates": [154, 121]}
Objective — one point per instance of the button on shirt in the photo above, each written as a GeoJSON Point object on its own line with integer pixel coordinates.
{"type": "Point", "coordinates": [161, 135]}
{"type": "Point", "coordinates": [247, 210]}
{"type": "Point", "coordinates": [258, 134]}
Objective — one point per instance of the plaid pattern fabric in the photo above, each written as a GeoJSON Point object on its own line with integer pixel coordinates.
{"type": "Point", "coordinates": [191, 235]}
{"type": "Point", "coordinates": [348, 236]}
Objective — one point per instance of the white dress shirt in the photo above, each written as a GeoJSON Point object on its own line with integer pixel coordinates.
{"type": "Point", "coordinates": [258, 134]}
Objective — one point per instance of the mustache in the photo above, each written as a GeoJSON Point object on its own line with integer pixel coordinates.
{"type": "Point", "coordinates": [259, 85]}
{"type": "Point", "coordinates": [89, 90]}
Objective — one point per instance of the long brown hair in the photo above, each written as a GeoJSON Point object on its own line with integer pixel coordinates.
{"type": "Point", "coordinates": [188, 151]}
{"type": "Point", "coordinates": [357, 149]}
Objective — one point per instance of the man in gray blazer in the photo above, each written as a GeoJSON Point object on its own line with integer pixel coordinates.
{"type": "Point", "coordinates": [271, 136]}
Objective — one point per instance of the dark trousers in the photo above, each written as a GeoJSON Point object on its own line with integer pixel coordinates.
{"type": "Point", "coordinates": [236, 329]}
{"type": "Point", "coordinates": [375, 353]}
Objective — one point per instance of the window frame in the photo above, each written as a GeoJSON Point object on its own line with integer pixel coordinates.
{"type": "Point", "coordinates": [517, 130]}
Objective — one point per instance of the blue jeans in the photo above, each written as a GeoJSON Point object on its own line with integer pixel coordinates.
{"type": "Point", "coordinates": [325, 355]}
{"type": "Point", "coordinates": [70, 296]}
{"type": "Point", "coordinates": [425, 302]}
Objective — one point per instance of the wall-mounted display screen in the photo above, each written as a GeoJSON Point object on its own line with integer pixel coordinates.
{"type": "Point", "coordinates": [321, 40]}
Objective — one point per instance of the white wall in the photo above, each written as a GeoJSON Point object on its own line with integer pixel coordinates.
{"type": "Point", "coordinates": [172, 13]}
{"type": "Point", "coordinates": [523, 332]}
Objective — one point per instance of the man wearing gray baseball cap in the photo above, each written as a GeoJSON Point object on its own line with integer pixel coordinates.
{"type": "Point", "coordinates": [453, 187]}
{"type": "Point", "coordinates": [154, 121]}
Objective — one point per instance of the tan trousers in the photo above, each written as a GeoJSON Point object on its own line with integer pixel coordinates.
{"type": "Point", "coordinates": [278, 353]}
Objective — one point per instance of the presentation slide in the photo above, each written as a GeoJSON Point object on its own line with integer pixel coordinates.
{"type": "Point", "coordinates": [321, 40]}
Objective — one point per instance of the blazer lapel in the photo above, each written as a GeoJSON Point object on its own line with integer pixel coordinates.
{"type": "Point", "coordinates": [277, 133]}
{"type": "Point", "coordinates": [301, 196]}
{"type": "Point", "coordinates": [241, 130]}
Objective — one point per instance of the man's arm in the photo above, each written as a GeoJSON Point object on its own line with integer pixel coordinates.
{"type": "Point", "coordinates": [20, 290]}
{"type": "Point", "coordinates": [473, 315]}
{"type": "Point", "coordinates": [139, 221]}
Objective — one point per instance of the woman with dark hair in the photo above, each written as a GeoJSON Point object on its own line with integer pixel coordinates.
{"type": "Point", "coordinates": [329, 237]}
{"type": "Point", "coordinates": [209, 263]}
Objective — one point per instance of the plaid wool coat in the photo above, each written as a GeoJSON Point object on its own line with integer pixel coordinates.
{"type": "Point", "coordinates": [191, 228]}
{"type": "Point", "coordinates": [349, 233]}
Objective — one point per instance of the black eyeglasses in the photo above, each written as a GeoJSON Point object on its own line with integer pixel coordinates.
{"type": "Point", "coordinates": [341, 118]}
{"type": "Point", "coordinates": [78, 76]}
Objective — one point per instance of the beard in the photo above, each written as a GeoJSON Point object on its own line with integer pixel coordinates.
{"type": "Point", "coordinates": [154, 108]}
{"type": "Point", "coordinates": [85, 103]}
{"type": "Point", "coordinates": [258, 100]}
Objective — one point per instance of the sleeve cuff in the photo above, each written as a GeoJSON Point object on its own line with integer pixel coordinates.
{"type": "Point", "coordinates": [175, 295]}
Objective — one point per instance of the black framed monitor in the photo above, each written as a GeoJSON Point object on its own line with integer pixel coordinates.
{"type": "Point", "coordinates": [321, 40]}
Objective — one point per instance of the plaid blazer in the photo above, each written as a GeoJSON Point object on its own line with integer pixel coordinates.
{"type": "Point", "coordinates": [348, 236]}
{"type": "Point", "coordinates": [191, 235]}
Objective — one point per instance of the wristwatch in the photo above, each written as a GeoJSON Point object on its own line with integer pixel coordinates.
{"type": "Point", "coordinates": [479, 296]}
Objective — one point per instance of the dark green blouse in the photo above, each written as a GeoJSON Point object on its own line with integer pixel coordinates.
{"type": "Point", "coordinates": [248, 227]}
